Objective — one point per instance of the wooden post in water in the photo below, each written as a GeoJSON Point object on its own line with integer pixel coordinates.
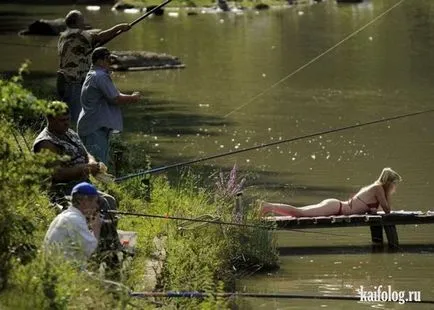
{"type": "Point", "coordinates": [392, 236]}
{"type": "Point", "coordinates": [377, 235]}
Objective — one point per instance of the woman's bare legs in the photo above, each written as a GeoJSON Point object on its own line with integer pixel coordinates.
{"type": "Point", "coordinates": [279, 209]}
{"type": "Point", "coordinates": [324, 208]}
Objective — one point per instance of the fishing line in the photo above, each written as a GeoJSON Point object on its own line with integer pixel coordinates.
{"type": "Point", "coordinates": [167, 217]}
{"type": "Point", "coordinates": [17, 142]}
{"type": "Point", "coordinates": [102, 43]}
{"type": "Point", "coordinates": [263, 145]}
{"type": "Point", "coordinates": [267, 227]}
{"type": "Point", "coordinates": [28, 45]}
{"type": "Point", "coordinates": [25, 141]}
{"type": "Point", "coordinates": [315, 58]}
{"type": "Point", "coordinates": [196, 294]}
{"type": "Point", "coordinates": [131, 24]}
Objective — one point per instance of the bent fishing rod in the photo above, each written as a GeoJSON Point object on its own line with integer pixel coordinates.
{"type": "Point", "coordinates": [106, 41]}
{"type": "Point", "coordinates": [263, 145]}
{"type": "Point", "coordinates": [196, 294]}
{"type": "Point", "coordinates": [270, 226]}
{"type": "Point", "coordinates": [133, 23]}
{"type": "Point", "coordinates": [187, 219]}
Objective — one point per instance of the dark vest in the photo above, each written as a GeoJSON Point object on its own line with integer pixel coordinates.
{"type": "Point", "coordinates": [69, 145]}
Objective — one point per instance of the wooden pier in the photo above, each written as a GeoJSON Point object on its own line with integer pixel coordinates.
{"type": "Point", "coordinates": [377, 223]}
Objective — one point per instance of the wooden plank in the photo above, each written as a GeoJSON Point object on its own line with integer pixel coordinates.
{"type": "Point", "coordinates": [305, 221]}
{"type": "Point", "coordinates": [381, 219]}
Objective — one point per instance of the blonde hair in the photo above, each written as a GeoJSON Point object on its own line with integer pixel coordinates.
{"type": "Point", "coordinates": [388, 176]}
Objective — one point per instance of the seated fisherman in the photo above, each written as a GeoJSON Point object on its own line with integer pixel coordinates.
{"type": "Point", "coordinates": [69, 232]}
{"type": "Point", "coordinates": [58, 138]}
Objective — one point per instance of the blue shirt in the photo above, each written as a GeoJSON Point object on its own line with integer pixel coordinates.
{"type": "Point", "coordinates": [99, 109]}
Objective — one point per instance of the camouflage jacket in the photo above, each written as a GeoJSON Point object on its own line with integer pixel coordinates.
{"type": "Point", "coordinates": [72, 48]}
{"type": "Point", "coordinates": [70, 145]}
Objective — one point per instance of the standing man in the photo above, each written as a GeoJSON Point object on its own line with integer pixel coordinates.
{"type": "Point", "coordinates": [69, 232]}
{"type": "Point", "coordinates": [100, 102]}
{"type": "Point", "coordinates": [74, 48]}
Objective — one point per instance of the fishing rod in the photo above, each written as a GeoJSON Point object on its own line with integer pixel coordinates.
{"type": "Point", "coordinates": [263, 145]}
{"type": "Point", "coordinates": [16, 141]}
{"type": "Point", "coordinates": [134, 22]}
{"type": "Point", "coordinates": [266, 227]}
{"type": "Point", "coordinates": [24, 139]}
{"type": "Point", "coordinates": [196, 294]}
{"type": "Point", "coordinates": [106, 41]}
{"type": "Point", "coordinates": [28, 45]}
{"type": "Point", "coordinates": [167, 217]}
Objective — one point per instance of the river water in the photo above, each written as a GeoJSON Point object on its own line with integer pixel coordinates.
{"type": "Point", "coordinates": [239, 89]}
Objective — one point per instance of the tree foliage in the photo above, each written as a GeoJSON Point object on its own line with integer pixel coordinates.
{"type": "Point", "coordinates": [199, 257]}
{"type": "Point", "coordinates": [24, 210]}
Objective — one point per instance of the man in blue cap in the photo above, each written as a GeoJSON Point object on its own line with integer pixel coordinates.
{"type": "Point", "coordinates": [69, 232]}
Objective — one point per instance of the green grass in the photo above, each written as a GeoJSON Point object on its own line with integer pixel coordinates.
{"type": "Point", "coordinates": [199, 256]}
{"type": "Point", "coordinates": [202, 257]}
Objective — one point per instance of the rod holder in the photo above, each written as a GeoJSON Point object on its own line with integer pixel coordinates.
{"type": "Point", "coordinates": [146, 182]}
{"type": "Point", "coordinates": [238, 213]}
{"type": "Point", "coordinates": [118, 158]}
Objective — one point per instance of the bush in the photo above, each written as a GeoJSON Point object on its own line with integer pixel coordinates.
{"type": "Point", "coordinates": [24, 213]}
{"type": "Point", "coordinates": [51, 283]}
{"type": "Point", "coordinates": [200, 256]}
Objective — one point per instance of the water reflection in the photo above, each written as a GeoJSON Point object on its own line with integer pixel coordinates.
{"type": "Point", "coordinates": [385, 70]}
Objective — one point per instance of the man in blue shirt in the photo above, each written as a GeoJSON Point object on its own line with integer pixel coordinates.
{"type": "Point", "coordinates": [74, 47]}
{"type": "Point", "coordinates": [100, 101]}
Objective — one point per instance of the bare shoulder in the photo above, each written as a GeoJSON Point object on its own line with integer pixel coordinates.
{"type": "Point", "coordinates": [371, 188]}
{"type": "Point", "coordinates": [378, 188]}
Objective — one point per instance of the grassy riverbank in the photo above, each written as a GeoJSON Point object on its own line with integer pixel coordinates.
{"type": "Point", "coordinates": [203, 257]}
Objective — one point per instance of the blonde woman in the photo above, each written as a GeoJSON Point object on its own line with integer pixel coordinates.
{"type": "Point", "coordinates": [368, 199]}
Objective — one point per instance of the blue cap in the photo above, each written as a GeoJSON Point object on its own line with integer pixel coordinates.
{"type": "Point", "coordinates": [84, 188]}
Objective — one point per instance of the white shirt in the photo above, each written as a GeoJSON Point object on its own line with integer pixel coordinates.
{"type": "Point", "coordinates": [69, 234]}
